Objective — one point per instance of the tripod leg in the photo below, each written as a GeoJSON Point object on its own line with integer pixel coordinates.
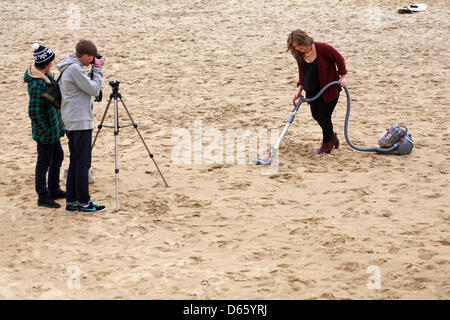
{"type": "Point", "coordinates": [142, 139]}
{"type": "Point", "coordinates": [101, 123]}
{"type": "Point", "coordinates": [116, 134]}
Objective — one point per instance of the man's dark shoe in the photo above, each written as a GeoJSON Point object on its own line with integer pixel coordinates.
{"type": "Point", "coordinates": [58, 195]}
{"type": "Point", "coordinates": [91, 208]}
{"type": "Point", "coordinates": [49, 203]}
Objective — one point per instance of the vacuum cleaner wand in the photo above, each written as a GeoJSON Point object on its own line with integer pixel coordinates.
{"type": "Point", "coordinates": [268, 160]}
{"type": "Point", "coordinates": [402, 142]}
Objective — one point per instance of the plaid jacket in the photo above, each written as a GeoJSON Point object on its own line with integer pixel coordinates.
{"type": "Point", "coordinates": [46, 124]}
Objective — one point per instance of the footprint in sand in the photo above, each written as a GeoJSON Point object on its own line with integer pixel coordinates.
{"type": "Point", "coordinates": [298, 284]}
{"type": "Point", "coordinates": [184, 201]}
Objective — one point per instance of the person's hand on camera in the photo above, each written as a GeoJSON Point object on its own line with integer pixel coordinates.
{"type": "Point", "coordinates": [99, 62]}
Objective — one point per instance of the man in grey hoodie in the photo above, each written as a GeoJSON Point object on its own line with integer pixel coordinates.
{"type": "Point", "coordinates": [77, 88]}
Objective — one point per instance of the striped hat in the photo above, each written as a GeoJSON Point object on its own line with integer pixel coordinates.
{"type": "Point", "coordinates": [42, 55]}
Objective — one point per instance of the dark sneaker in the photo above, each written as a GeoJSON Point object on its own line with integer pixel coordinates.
{"type": "Point", "coordinates": [92, 207]}
{"type": "Point", "coordinates": [58, 195]}
{"type": "Point", "coordinates": [49, 203]}
{"type": "Point", "coordinates": [71, 208]}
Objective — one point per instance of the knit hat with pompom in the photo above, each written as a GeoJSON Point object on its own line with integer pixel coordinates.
{"type": "Point", "coordinates": [42, 55]}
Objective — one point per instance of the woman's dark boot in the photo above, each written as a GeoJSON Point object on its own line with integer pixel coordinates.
{"type": "Point", "coordinates": [335, 141]}
{"type": "Point", "coordinates": [325, 148]}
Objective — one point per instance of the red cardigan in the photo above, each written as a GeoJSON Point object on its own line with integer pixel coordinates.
{"type": "Point", "coordinates": [327, 60]}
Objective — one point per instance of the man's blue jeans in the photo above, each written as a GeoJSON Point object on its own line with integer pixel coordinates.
{"type": "Point", "coordinates": [49, 159]}
{"type": "Point", "coordinates": [77, 186]}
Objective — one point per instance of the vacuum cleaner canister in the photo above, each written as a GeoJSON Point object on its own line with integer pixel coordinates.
{"type": "Point", "coordinates": [396, 135]}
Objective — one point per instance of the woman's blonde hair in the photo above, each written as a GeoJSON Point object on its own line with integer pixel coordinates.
{"type": "Point", "coordinates": [302, 39]}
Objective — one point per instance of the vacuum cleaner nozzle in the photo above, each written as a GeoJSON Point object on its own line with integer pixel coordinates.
{"type": "Point", "coordinates": [264, 161]}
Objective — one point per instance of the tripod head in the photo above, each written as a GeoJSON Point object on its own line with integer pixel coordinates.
{"type": "Point", "coordinates": [115, 88]}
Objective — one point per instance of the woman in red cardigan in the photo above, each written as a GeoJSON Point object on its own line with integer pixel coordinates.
{"type": "Point", "coordinates": [318, 64]}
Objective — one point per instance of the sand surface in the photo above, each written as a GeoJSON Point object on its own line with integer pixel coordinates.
{"type": "Point", "coordinates": [319, 227]}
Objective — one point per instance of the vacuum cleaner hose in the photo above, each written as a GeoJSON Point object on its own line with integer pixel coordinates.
{"type": "Point", "coordinates": [347, 116]}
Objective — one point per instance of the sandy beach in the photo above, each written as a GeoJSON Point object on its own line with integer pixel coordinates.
{"type": "Point", "coordinates": [345, 225]}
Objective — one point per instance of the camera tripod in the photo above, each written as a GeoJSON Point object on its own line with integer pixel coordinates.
{"type": "Point", "coordinates": [117, 96]}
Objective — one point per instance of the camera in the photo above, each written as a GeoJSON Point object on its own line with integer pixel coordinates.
{"type": "Point", "coordinates": [115, 86]}
{"type": "Point", "coordinates": [100, 95]}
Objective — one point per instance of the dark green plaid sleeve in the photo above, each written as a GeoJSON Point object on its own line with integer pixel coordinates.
{"type": "Point", "coordinates": [37, 112]}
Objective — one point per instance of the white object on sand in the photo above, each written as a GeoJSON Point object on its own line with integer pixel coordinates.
{"type": "Point", "coordinates": [91, 175]}
{"type": "Point", "coordinates": [416, 7]}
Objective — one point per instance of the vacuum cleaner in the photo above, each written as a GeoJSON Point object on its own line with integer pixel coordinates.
{"type": "Point", "coordinates": [394, 140]}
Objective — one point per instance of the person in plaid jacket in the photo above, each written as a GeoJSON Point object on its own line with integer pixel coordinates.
{"type": "Point", "coordinates": [47, 128]}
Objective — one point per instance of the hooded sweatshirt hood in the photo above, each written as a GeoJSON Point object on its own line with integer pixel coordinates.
{"type": "Point", "coordinates": [34, 73]}
{"type": "Point", "coordinates": [77, 88]}
{"type": "Point", "coordinates": [67, 61]}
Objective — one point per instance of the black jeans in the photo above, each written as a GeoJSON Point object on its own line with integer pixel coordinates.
{"type": "Point", "coordinates": [77, 185]}
{"type": "Point", "coordinates": [49, 159]}
{"type": "Point", "coordinates": [321, 112]}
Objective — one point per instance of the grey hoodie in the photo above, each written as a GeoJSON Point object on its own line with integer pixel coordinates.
{"type": "Point", "coordinates": [77, 88]}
